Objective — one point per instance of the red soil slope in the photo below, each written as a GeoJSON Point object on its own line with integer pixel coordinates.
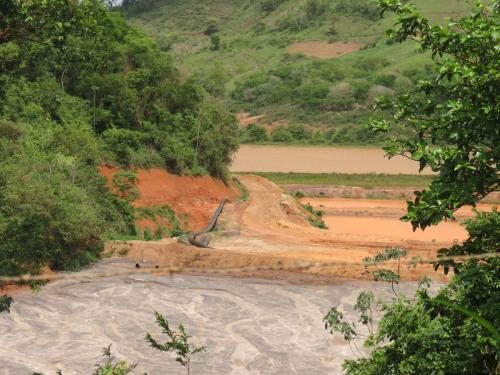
{"type": "Point", "coordinates": [195, 197]}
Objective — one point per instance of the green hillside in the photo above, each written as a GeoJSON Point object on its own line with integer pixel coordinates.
{"type": "Point", "coordinates": [246, 61]}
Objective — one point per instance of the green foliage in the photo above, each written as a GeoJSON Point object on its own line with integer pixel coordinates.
{"type": "Point", "coordinates": [254, 134]}
{"type": "Point", "coordinates": [79, 87]}
{"type": "Point", "coordinates": [334, 322]}
{"type": "Point", "coordinates": [256, 36]}
{"type": "Point", "coordinates": [364, 305]}
{"type": "Point", "coordinates": [363, 8]}
{"type": "Point", "coordinates": [113, 367]}
{"type": "Point", "coordinates": [178, 343]}
{"type": "Point", "coordinates": [125, 182]}
{"type": "Point", "coordinates": [215, 42]}
{"type": "Point", "coordinates": [312, 12]}
{"type": "Point", "coordinates": [53, 207]}
{"type": "Point", "coordinates": [366, 181]}
{"type": "Point", "coordinates": [212, 27]}
{"type": "Point", "coordinates": [484, 234]}
{"type": "Point", "coordinates": [155, 214]}
{"type": "Point", "coordinates": [244, 191]}
{"type": "Point", "coordinates": [454, 121]}
{"type": "Point", "coordinates": [5, 303]}
{"type": "Point", "coordinates": [270, 5]}
{"type": "Point", "coordinates": [315, 217]}
{"type": "Point", "coordinates": [454, 117]}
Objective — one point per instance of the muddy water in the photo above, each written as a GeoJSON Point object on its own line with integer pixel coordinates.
{"type": "Point", "coordinates": [255, 158]}
{"type": "Point", "coordinates": [378, 220]}
{"type": "Point", "coordinates": [249, 326]}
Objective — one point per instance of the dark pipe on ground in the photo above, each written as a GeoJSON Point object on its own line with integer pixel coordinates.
{"type": "Point", "coordinates": [204, 241]}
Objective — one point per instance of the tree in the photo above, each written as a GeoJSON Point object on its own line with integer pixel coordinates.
{"type": "Point", "coordinates": [178, 342]}
{"type": "Point", "coordinates": [453, 119]}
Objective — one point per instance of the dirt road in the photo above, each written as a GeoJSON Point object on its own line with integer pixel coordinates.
{"type": "Point", "coordinates": [272, 230]}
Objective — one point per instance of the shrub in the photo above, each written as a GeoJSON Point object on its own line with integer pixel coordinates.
{"type": "Point", "coordinates": [281, 134]}
{"type": "Point", "coordinates": [270, 5]}
{"type": "Point", "coordinates": [212, 27]}
{"type": "Point", "coordinates": [254, 134]}
{"type": "Point", "coordinates": [363, 8]}
{"type": "Point", "coordinates": [214, 42]}
{"type": "Point", "coordinates": [314, 94]}
{"type": "Point", "coordinates": [387, 80]}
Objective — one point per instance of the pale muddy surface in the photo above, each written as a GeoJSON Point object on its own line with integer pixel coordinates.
{"type": "Point", "coordinates": [249, 326]}
{"type": "Point", "coordinates": [379, 220]}
{"type": "Point", "coordinates": [313, 159]}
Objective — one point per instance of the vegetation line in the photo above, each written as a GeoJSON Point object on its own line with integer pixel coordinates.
{"type": "Point", "coordinates": [365, 181]}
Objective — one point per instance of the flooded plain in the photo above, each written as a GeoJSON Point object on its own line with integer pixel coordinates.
{"type": "Point", "coordinates": [314, 159]}
{"type": "Point", "coordinates": [249, 326]}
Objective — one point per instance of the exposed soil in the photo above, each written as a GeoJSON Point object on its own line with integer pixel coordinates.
{"type": "Point", "coordinates": [324, 50]}
{"type": "Point", "coordinates": [193, 197]}
{"type": "Point", "coordinates": [269, 236]}
{"type": "Point", "coordinates": [245, 119]}
{"type": "Point", "coordinates": [257, 158]}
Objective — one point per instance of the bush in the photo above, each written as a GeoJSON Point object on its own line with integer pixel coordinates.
{"type": "Point", "coordinates": [215, 42]}
{"type": "Point", "coordinates": [281, 134]}
{"type": "Point", "coordinates": [363, 8]}
{"type": "Point", "coordinates": [212, 27]}
{"type": "Point", "coordinates": [387, 80]}
{"type": "Point", "coordinates": [313, 95]}
{"type": "Point", "coordinates": [254, 134]}
{"type": "Point", "coordinates": [270, 5]}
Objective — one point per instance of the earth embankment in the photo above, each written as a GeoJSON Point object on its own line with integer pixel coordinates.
{"type": "Point", "coordinates": [192, 198]}
{"type": "Point", "coordinates": [270, 236]}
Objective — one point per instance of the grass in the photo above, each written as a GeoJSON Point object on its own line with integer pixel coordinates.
{"type": "Point", "coordinates": [315, 217]}
{"type": "Point", "coordinates": [366, 181]}
{"type": "Point", "coordinates": [247, 50]}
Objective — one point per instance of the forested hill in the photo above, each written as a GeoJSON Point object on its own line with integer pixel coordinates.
{"type": "Point", "coordinates": [245, 51]}
{"type": "Point", "coordinates": [79, 87]}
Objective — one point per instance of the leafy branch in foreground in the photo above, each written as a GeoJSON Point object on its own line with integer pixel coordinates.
{"type": "Point", "coordinates": [454, 117]}
{"type": "Point", "coordinates": [454, 124]}
{"type": "Point", "coordinates": [178, 342]}
{"type": "Point", "coordinates": [382, 274]}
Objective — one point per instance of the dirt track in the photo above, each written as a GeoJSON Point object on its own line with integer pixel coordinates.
{"type": "Point", "coordinates": [271, 230]}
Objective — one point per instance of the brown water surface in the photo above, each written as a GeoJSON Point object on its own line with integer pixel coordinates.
{"type": "Point", "coordinates": [258, 158]}
{"type": "Point", "coordinates": [379, 219]}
